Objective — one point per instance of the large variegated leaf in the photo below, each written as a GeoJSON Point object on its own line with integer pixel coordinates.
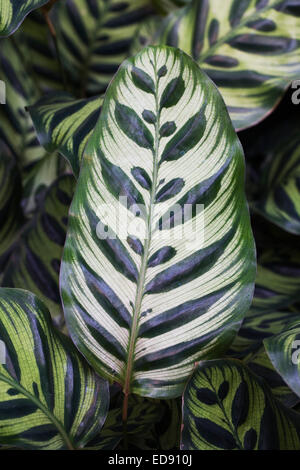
{"type": "Point", "coordinates": [280, 196]}
{"type": "Point", "coordinates": [250, 48]}
{"type": "Point", "coordinates": [65, 124]}
{"type": "Point", "coordinates": [94, 38]}
{"type": "Point", "coordinates": [13, 12]}
{"type": "Point", "coordinates": [227, 407]}
{"type": "Point", "coordinates": [35, 261]}
{"type": "Point", "coordinates": [143, 306]}
{"type": "Point", "coordinates": [49, 397]}
{"type": "Point", "coordinates": [10, 199]}
{"type": "Point", "coordinates": [284, 352]}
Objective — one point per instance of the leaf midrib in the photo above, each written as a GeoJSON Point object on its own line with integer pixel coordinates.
{"type": "Point", "coordinates": [142, 276]}
{"type": "Point", "coordinates": [42, 407]}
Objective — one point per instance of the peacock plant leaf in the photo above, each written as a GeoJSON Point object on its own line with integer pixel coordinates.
{"type": "Point", "coordinates": [49, 397]}
{"type": "Point", "coordinates": [284, 353]}
{"type": "Point", "coordinates": [249, 48]}
{"type": "Point", "coordinates": [280, 196]}
{"type": "Point", "coordinates": [227, 407]}
{"type": "Point", "coordinates": [257, 326]}
{"type": "Point", "coordinates": [159, 262]}
{"type": "Point", "coordinates": [10, 197]}
{"type": "Point", "coordinates": [65, 124]}
{"type": "Point", "coordinates": [260, 364]}
{"type": "Point", "coordinates": [142, 415]}
{"type": "Point", "coordinates": [95, 37]}
{"type": "Point", "coordinates": [16, 129]}
{"type": "Point", "coordinates": [31, 266]}
{"type": "Point", "coordinates": [13, 12]}
{"type": "Point", "coordinates": [166, 6]}
{"type": "Point", "coordinates": [39, 54]}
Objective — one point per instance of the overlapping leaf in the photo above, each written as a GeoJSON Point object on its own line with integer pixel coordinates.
{"type": "Point", "coordinates": [16, 130]}
{"type": "Point", "coordinates": [142, 415]}
{"type": "Point", "coordinates": [165, 6]}
{"type": "Point", "coordinates": [35, 262]}
{"type": "Point", "coordinates": [94, 38]}
{"type": "Point", "coordinates": [49, 397]}
{"type": "Point", "coordinates": [249, 48]}
{"type": "Point", "coordinates": [227, 407]}
{"type": "Point", "coordinates": [10, 199]}
{"type": "Point", "coordinates": [261, 365]}
{"type": "Point", "coordinates": [284, 352]}
{"type": "Point", "coordinates": [65, 124]}
{"type": "Point", "coordinates": [144, 305]}
{"type": "Point", "coordinates": [280, 196]}
{"type": "Point", "coordinates": [13, 12]}
{"type": "Point", "coordinates": [39, 53]}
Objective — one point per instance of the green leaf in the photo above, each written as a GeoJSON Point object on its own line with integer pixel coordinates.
{"type": "Point", "coordinates": [143, 306]}
{"type": "Point", "coordinates": [13, 12]}
{"type": "Point", "coordinates": [65, 124]}
{"type": "Point", "coordinates": [261, 365]}
{"type": "Point", "coordinates": [165, 6]}
{"type": "Point", "coordinates": [257, 326]}
{"type": "Point", "coordinates": [40, 56]}
{"type": "Point", "coordinates": [145, 34]}
{"type": "Point", "coordinates": [49, 397]}
{"type": "Point", "coordinates": [283, 350]}
{"type": "Point", "coordinates": [142, 414]}
{"type": "Point", "coordinates": [280, 196]}
{"type": "Point", "coordinates": [16, 130]}
{"type": "Point", "coordinates": [38, 177]}
{"type": "Point", "coordinates": [35, 261]}
{"type": "Point", "coordinates": [95, 37]}
{"type": "Point", "coordinates": [250, 49]}
{"type": "Point", "coordinates": [227, 407]}
{"type": "Point", "coordinates": [10, 199]}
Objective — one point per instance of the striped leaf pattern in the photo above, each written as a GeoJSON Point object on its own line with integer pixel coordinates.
{"type": "Point", "coordinates": [278, 278]}
{"type": "Point", "coordinates": [49, 397]}
{"type": "Point", "coordinates": [256, 327]}
{"type": "Point", "coordinates": [65, 124]}
{"type": "Point", "coordinates": [16, 130]}
{"type": "Point", "coordinates": [31, 266]}
{"type": "Point", "coordinates": [94, 38]}
{"type": "Point", "coordinates": [260, 364]}
{"type": "Point", "coordinates": [250, 49]}
{"type": "Point", "coordinates": [143, 304]}
{"type": "Point", "coordinates": [280, 198]}
{"type": "Point", "coordinates": [142, 415]}
{"type": "Point", "coordinates": [165, 6]}
{"type": "Point", "coordinates": [284, 352]}
{"type": "Point", "coordinates": [34, 40]}
{"type": "Point", "coordinates": [227, 407]}
{"type": "Point", "coordinates": [13, 12]}
{"type": "Point", "coordinates": [10, 198]}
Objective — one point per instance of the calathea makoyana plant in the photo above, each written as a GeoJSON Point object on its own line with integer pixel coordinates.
{"type": "Point", "coordinates": [140, 305]}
